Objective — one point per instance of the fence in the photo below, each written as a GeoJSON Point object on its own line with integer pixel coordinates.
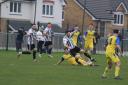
{"type": "Point", "coordinates": [7, 41]}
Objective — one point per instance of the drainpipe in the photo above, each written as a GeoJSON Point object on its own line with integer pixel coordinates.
{"type": "Point", "coordinates": [7, 34]}
{"type": "Point", "coordinates": [0, 17]}
{"type": "Point", "coordinates": [35, 12]}
{"type": "Point", "coordinates": [83, 20]}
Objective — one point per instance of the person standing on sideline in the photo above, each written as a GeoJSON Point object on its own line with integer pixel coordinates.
{"type": "Point", "coordinates": [48, 34]}
{"type": "Point", "coordinates": [31, 34]}
{"type": "Point", "coordinates": [19, 41]}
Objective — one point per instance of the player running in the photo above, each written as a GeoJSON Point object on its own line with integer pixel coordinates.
{"type": "Point", "coordinates": [31, 34]}
{"type": "Point", "coordinates": [19, 41]}
{"type": "Point", "coordinates": [111, 56]}
{"type": "Point", "coordinates": [49, 35]}
{"type": "Point", "coordinates": [40, 40]}
{"type": "Point", "coordinates": [89, 39]}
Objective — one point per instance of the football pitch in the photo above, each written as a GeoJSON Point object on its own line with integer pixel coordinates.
{"type": "Point", "coordinates": [45, 72]}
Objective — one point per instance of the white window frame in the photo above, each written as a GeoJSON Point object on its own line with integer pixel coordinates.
{"type": "Point", "coordinates": [49, 10]}
{"type": "Point", "coordinates": [118, 20]}
{"type": "Point", "coordinates": [17, 7]}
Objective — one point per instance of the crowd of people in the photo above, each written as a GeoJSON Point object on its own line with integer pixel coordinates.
{"type": "Point", "coordinates": [77, 46]}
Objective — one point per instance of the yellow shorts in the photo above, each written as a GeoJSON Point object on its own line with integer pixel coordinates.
{"type": "Point", "coordinates": [88, 45]}
{"type": "Point", "coordinates": [72, 61]}
{"type": "Point", "coordinates": [112, 57]}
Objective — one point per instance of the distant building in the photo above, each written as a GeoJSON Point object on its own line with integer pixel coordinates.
{"type": "Point", "coordinates": [104, 14]}
{"type": "Point", "coordinates": [32, 11]}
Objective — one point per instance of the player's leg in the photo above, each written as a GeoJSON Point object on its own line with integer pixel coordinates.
{"type": "Point", "coordinates": [87, 51]}
{"type": "Point", "coordinates": [117, 62]}
{"type": "Point", "coordinates": [72, 61]}
{"type": "Point", "coordinates": [45, 46]}
{"type": "Point", "coordinates": [33, 52]}
{"type": "Point", "coordinates": [107, 68]}
{"type": "Point", "coordinates": [89, 56]}
{"type": "Point", "coordinates": [74, 52]}
{"type": "Point", "coordinates": [117, 70]}
{"type": "Point", "coordinates": [63, 57]}
{"type": "Point", "coordinates": [50, 49]}
{"type": "Point", "coordinates": [19, 49]}
{"type": "Point", "coordinates": [40, 44]}
{"type": "Point", "coordinates": [90, 50]}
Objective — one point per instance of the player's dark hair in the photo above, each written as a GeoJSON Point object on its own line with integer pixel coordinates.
{"type": "Point", "coordinates": [33, 24]}
{"type": "Point", "coordinates": [48, 23]}
{"type": "Point", "coordinates": [66, 31]}
{"type": "Point", "coordinates": [116, 31]}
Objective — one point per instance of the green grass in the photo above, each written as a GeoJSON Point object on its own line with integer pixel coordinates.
{"type": "Point", "coordinates": [44, 72]}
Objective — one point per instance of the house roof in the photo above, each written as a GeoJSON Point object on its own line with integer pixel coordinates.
{"type": "Point", "coordinates": [101, 9]}
{"type": "Point", "coordinates": [27, 24]}
{"type": "Point", "coordinates": [126, 3]}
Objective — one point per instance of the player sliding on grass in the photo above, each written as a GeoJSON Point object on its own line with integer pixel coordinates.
{"type": "Point", "coordinates": [73, 50]}
{"type": "Point", "coordinates": [71, 60]}
{"type": "Point", "coordinates": [111, 56]}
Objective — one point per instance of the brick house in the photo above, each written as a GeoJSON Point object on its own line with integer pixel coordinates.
{"type": "Point", "coordinates": [30, 11]}
{"type": "Point", "coordinates": [104, 14]}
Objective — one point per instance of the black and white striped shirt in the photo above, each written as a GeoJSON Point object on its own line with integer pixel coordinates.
{"type": "Point", "coordinates": [67, 41]}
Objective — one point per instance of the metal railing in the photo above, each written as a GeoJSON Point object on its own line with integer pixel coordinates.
{"type": "Point", "coordinates": [57, 43]}
{"type": "Point", "coordinates": [8, 43]}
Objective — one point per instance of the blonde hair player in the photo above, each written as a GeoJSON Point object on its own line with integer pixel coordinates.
{"type": "Point", "coordinates": [89, 40]}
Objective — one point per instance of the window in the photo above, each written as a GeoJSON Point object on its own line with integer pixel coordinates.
{"type": "Point", "coordinates": [119, 18]}
{"type": "Point", "coordinates": [47, 10]}
{"type": "Point", "coordinates": [15, 7]}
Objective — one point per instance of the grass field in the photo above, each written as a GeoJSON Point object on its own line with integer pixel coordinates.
{"type": "Point", "coordinates": [44, 72]}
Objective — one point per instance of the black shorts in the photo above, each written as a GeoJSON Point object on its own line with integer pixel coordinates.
{"type": "Point", "coordinates": [31, 47]}
{"type": "Point", "coordinates": [40, 44]}
{"type": "Point", "coordinates": [47, 43]}
{"type": "Point", "coordinates": [74, 51]}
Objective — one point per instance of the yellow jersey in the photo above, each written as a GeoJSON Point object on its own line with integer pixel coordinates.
{"type": "Point", "coordinates": [70, 59]}
{"type": "Point", "coordinates": [111, 44]}
{"type": "Point", "coordinates": [90, 36]}
{"type": "Point", "coordinates": [75, 37]}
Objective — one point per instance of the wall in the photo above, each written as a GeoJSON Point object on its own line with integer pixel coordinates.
{"type": "Point", "coordinates": [26, 11]}
{"type": "Point", "coordinates": [74, 15]}
{"type": "Point", "coordinates": [57, 17]}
